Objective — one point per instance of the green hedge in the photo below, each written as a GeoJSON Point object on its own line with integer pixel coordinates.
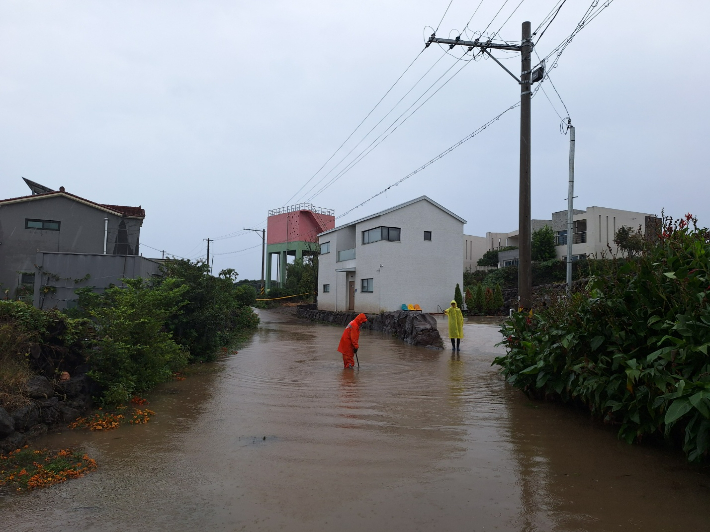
{"type": "Point", "coordinates": [633, 347]}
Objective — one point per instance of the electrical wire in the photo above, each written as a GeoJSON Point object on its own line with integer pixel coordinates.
{"type": "Point", "coordinates": [359, 125]}
{"type": "Point", "coordinates": [383, 136]}
{"type": "Point", "coordinates": [591, 13]}
{"type": "Point", "coordinates": [237, 251]}
{"type": "Point", "coordinates": [553, 86]}
{"type": "Point", "coordinates": [378, 123]}
{"type": "Point", "coordinates": [162, 250]}
{"type": "Point", "coordinates": [474, 14]}
{"type": "Point", "coordinates": [432, 161]}
{"type": "Point", "coordinates": [509, 17]}
{"type": "Point", "coordinates": [442, 17]}
{"type": "Point", "coordinates": [548, 24]}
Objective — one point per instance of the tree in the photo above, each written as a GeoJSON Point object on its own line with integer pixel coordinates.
{"type": "Point", "coordinates": [458, 297]}
{"type": "Point", "coordinates": [478, 298]}
{"type": "Point", "coordinates": [629, 241]}
{"type": "Point", "coordinates": [302, 276]}
{"type": "Point", "coordinates": [543, 244]}
{"type": "Point", "coordinates": [488, 307]}
{"type": "Point", "coordinates": [490, 257]}
{"type": "Point", "coordinates": [498, 298]}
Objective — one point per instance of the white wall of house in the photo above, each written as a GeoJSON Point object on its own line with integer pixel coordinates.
{"type": "Point", "coordinates": [410, 271]}
{"type": "Point", "coordinates": [602, 224]}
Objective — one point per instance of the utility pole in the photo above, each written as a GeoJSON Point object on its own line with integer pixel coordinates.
{"type": "Point", "coordinates": [570, 210]}
{"type": "Point", "coordinates": [528, 76]}
{"type": "Point", "coordinates": [209, 268]}
{"type": "Point", "coordinates": [263, 251]}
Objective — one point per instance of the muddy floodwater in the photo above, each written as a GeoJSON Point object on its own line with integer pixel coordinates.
{"type": "Point", "coordinates": [280, 437]}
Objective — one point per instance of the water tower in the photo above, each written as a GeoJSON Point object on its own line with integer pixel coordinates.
{"type": "Point", "coordinates": [293, 231]}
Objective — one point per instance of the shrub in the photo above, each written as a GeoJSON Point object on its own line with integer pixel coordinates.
{"type": "Point", "coordinates": [498, 298]}
{"type": "Point", "coordinates": [633, 346]}
{"type": "Point", "coordinates": [457, 296]}
{"type": "Point", "coordinates": [478, 299]}
{"type": "Point", "coordinates": [543, 244]}
{"type": "Point", "coordinates": [215, 312]}
{"type": "Point", "coordinates": [133, 351]}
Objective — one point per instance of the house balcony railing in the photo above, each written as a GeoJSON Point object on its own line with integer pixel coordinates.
{"type": "Point", "coordinates": [577, 238]}
{"type": "Point", "coordinates": [346, 254]}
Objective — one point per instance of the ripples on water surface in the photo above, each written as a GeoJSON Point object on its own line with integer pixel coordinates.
{"type": "Point", "coordinates": [280, 437]}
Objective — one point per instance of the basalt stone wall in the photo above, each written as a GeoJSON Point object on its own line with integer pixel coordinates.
{"type": "Point", "coordinates": [541, 294]}
{"type": "Point", "coordinates": [414, 328]}
{"type": "Point", "coordinates": [49, 404]}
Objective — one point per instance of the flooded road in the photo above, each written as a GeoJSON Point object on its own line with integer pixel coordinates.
{"type": "Point", "coordinates": [280, 437]}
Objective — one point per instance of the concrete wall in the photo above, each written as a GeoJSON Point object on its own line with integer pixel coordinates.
{"type": "Point", "coordinates": [410, 271]}
{"type": "Point", "coordinates": [65, 272]}
{"type": "Point", "coordinates": [474, 247]}
{"type": "Point", "coordinates": [602, 224]}
{"type": "Point", "coordinates": [81, 231]}
{"type": "Point", "coordinates": [297, 226]}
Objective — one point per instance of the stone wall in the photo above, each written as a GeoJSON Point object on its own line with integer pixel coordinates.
{"type": "Point", "coordinates": [415, 328]}
{"type": "Point", "coordinates": [48, 405]}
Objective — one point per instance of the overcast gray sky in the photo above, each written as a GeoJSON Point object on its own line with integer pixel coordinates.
{"type": "Point", "coordinates": [210, 113]}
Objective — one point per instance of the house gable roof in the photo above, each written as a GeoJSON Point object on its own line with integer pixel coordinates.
{"type": "Point", "coordinates": [118, 210]}
{"type": "Point", "coordinates": [397, 207]}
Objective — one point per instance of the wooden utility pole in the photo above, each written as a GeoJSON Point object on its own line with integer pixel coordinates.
{"type": "Point", "coordinates": [524, 234]}
{"type": "Point", "coordinates": [527, 77]}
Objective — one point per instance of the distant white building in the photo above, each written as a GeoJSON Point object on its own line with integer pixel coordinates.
{"type": "Point", "coordinates": [408, 254]}
{"type": "Point", "coordinates": [594, 230]}
{"type": "Point", "coordinates": [474, 247]}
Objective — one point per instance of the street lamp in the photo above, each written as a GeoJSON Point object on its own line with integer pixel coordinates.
{"type": "Point", "coordinates": [263, 245]}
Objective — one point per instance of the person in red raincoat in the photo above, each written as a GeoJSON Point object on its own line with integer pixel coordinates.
{"type": "Point", "coordinates": [348, 345]}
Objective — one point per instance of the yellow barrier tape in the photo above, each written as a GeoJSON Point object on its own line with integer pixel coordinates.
{"type": "Point", "coordinates": [284, 297]}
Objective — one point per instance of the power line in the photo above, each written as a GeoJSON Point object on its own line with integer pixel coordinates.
{"type": "Point", "coordinates": [474, 14]}
{"type": "Point", "coordinates": [360, 124]}
{"type": "Point", "coordinates": [442, 17]}
{"type": "Point", "coordinates": [548, 24]}
{"type": "Point", "coordinates": [558, 94]}
{"type": "Point", "coordinates": [237, 251]}
{"type": "Point", "coordinates": [374, 127]}
{"type": "Point", "coordinates": [509, 17]}
{"type": "Point", "coordinates": [162, 250]}
{"type": "Point", "coordinates": [373, 145]}
{"type": "Point", "coordinates": [432, 161]}
{"type": "Point", "coordinates": [495, 16]}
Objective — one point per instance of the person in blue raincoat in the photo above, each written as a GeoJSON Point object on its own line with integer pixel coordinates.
{"type": "Point", "coordinates": [453, 313]}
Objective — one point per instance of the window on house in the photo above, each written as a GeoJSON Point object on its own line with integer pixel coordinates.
{"type": "Point", "coordinates": [427, 236]}
{"type": "Point", "coordinates": [325, 248]}
{"type": "Point", "coordinates": [326, 288]}
{"type": "Point", "coordinates": [561, 238]}
{"type": "Point", "coordinates": [27, 278]}
{"type": "Point", "coordinates": [366, 285]}
{"type": "Point", "coordinates": [45, 225]}
{"type": "Point", "coordinates": [391, 234]}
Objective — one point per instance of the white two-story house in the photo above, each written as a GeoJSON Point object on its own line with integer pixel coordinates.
{"type": "Point", "coordinates": [408, 254]}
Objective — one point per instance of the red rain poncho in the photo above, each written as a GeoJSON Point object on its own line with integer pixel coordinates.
{"type": "Point", "coordinates": [349, 340]}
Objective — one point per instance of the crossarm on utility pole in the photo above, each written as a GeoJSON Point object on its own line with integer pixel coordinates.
{"type": "Point", "coordinates": [475, 44]}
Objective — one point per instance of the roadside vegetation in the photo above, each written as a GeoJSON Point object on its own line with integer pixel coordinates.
{"type": "Point", "coordinates": [484, 288]}
{"type": "Point", "coordinates": [28, 469]}
{"type": "Point", "coordinates": [127, 339]}
{"type": "Point", "coordinates": [301, 284]}
{"type": "Point", "coordinates": [631, 346]}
